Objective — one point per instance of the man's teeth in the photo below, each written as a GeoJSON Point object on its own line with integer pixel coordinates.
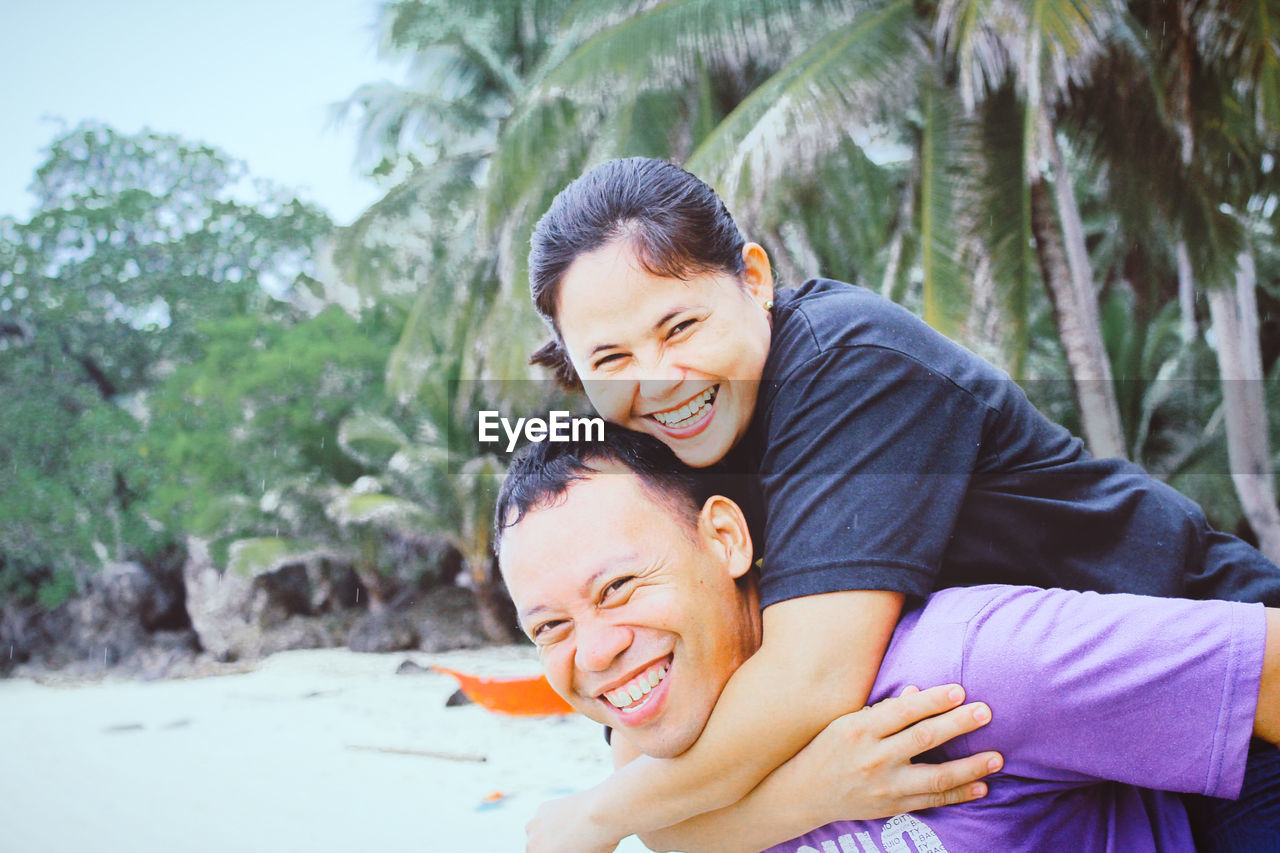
{"type": "Point", "coordinates": [690, 411]}
{"type": "Point", "coordinates": [638, 687]}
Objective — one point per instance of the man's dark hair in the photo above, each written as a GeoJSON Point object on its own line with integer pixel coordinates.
{"type": "Point", "coordinates": [676, 223]}
{"type": "Point", "coordinates": [542, 472]}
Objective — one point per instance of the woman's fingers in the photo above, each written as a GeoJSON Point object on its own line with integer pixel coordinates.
{"type": "Point", "coordinates": [937, 730]}
{"type": "Point", "coordinates": [865, 757]}
{"type": "Point", "coordinates": [892, 715]}
{"type": "Point", "coordinates": [952, 782]}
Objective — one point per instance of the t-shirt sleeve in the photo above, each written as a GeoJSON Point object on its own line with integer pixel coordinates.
{"type": "Point", "coordinates": [1159, 693]}
{"type": "Point", "coordinates": [867, 455]}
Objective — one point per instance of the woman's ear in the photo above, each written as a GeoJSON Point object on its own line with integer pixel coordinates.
{"type": "Point", "coordinates": [758, 274]}
{"type": "Point", "coordinates": [724, 528]}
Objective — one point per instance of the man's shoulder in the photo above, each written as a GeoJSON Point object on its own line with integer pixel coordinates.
{"type": "Point", "coordinates": [955, 609]}
{"type": "Point", "coordinates": [956, 629]}
{"type": "Point", "coordinates": [929, 644]}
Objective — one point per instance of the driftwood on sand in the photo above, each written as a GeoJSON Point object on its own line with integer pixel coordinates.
{"type": "Point", "coordinates": [426, 753]}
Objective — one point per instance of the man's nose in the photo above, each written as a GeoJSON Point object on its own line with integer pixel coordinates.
{"type": "Point", "coordinates": [599, 644]}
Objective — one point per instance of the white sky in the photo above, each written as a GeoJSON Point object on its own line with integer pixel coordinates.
{"type": "Point", "coordinates": [253, 78]}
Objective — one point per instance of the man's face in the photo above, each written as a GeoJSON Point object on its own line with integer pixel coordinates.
{"type": "Point", "coordinates": [635, 610]}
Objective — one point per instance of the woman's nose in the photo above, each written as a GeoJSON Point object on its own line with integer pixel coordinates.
{"type": "Point", "coordinates": [660, 380]}
{"type": "Point", "coordinates": [599, 644]}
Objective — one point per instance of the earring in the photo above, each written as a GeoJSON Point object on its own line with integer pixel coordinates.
{"type": "Point", "coordinates": [768, 305]}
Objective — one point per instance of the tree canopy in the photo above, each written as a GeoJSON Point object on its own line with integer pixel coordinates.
{"type": "Point", "coordinates": [139, 247]}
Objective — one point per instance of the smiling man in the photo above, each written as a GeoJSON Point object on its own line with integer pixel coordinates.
{"type": "Point", "coordinates": [633, 576]}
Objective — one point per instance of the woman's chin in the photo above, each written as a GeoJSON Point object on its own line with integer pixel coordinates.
{"type": "Point", "coordinates": [699, 451]}
{"type": "Point", "coordinates": [697, 445]}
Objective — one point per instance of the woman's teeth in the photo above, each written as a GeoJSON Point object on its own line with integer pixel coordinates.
{"type": "Point", "coordinates": [637, 688]}
{"type": "Point", "coordinates": [689, 412]}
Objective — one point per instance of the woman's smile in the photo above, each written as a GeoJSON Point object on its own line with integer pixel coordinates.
{"type": "Point", "coordinates": [690, 417]}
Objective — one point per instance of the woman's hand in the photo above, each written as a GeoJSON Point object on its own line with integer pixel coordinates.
{"type": "Point", "coordinates": [859, 767]}
{"type": "Point", "coordinates": [564, 826]}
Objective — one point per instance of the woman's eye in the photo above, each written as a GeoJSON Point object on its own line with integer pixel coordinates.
{"type": "Point", "coordinates": [680, 327]}
{"type": "Point", "coordinates": [611, 359]}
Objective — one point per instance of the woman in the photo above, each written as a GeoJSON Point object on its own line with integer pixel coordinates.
{"type": "Point", "coordinates": [890, 462]}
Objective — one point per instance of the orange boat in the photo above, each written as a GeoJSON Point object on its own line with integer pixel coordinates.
{"type": "Point", "coordinates": [527, 695]}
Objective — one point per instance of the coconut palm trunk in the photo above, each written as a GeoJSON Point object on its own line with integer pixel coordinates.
{"type": "Point", "coordinates": [1186, 293]}
{"type": "Point", "coordinates": [1180, 102]}
{"type": "Point", "coordinates": [1064, 264]}
{"type": "Point", "coordinates": [1233, 309]}
{"type": "Point", "coordinates": [1234, 312]}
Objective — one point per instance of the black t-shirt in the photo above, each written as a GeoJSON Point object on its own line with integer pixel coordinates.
{"type": "Point", "coordinates": [889, 457]}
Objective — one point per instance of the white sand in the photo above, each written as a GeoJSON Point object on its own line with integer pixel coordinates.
{"type": "Point", "coordinates": [264, 761]}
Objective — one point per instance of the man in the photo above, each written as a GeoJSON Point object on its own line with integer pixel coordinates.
{"type": "Point", "coordinates": [634, 580]}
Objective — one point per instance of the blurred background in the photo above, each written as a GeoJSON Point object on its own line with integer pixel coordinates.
{"type": "Point", "coordinates": [264, 249]}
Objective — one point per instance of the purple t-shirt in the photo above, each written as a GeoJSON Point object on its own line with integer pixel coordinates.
{"type": "Point", "coordinates": [1091, 695]}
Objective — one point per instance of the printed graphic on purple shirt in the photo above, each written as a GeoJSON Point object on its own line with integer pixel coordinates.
{"type": "Point", "coordinates": [1092, 696]}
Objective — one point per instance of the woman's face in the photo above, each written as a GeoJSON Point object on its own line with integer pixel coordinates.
{"type": "Point", "coordinates": [680, 360]}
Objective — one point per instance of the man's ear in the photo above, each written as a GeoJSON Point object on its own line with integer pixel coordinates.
{"type": "Point", "coordinates": [724, 528]}
{"type": "Point", "coordinates": [758, 274]}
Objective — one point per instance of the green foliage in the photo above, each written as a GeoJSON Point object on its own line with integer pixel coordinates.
{"type": "Point", "coordinates": [261, 407]}
{"type": "Point", "coordinates": [59, 588]}
{"type": "Point", "coordinates": [137, 242]}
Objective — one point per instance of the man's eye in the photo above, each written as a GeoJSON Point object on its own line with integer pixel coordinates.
{"type": "Point", "coordinates": [546, 631]}
{"type": "Point", "coordinates": [615, 587]}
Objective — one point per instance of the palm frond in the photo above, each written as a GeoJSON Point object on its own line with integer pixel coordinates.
{"type": "Point", "coordinates": [248, 558]}
{"type": "Point", "coordinates": [385, 512]}
{"type": "Point", "coordinates": [662, 46]}
{"type": "Point", "coordinates": [847, 85]}
{"type": "Point", "coordinates": [384, 250]}
{"type": "Point", "coordinates": [1244, 36]}
{"type": "Point", "coordinates": [836, 219]}
{"type": "Point", "coordinates": [370, 439]}
{"type": "Point", "coordinates": [1043, 46]}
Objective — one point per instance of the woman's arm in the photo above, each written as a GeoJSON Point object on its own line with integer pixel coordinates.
{"type": "Point", "coordinates": [857, 767]}
{"type": "Point", "coordinates": [817, 661]}
{"type": "Point", "coordinates": [1266, 721]}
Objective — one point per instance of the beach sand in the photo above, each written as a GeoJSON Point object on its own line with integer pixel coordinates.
{"type": "Point", "coordinates": [298, 754]}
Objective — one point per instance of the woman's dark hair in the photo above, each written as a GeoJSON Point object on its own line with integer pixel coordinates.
{"type": "Point", "coordinates": [677, 224]}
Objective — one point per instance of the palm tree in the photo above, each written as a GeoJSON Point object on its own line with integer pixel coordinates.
{"type": "Point", "coordinates": [425, 239]}
{"type": "Point", "coordinates": [1236, 46]}
{"type": "Point", "coordinates": [435, 138]}
{"type": "Point", "coordinates": [426, 486]}
{"type": "Point", "coordinates": [1208, 91]}
{"type": "Point", "coordinates": [1039, 49]}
